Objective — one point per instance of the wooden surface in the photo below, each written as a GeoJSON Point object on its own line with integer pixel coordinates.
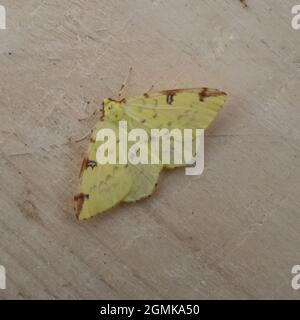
{"type": "Point", "coordinates": [232, 232]}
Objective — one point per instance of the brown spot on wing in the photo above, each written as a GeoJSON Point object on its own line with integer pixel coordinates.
{"type": "Point", "coordinates": [83, 166]}
{"type": "Point", "coordinates": [86, 163]}
{"type": "Point", "coordinates": [209, 92]}
{"type": "Point", "coordinates": [172, 91]}
{"type": "Point", "coordinates": [170, 98]}
{"type": "Point", "coordinates": [102, 112]}
{"type": "Point", "coordinates": [78, 203]}
{"type": "Point", "coordinates": [146, 95]}
{"type": "Point", "coordinates": [91, 164]}
{"type": "Point", "coordinates": [203, 94]}
{"type": "Point", "coordinates": [170, 94]}
{"type": "Point", "coordinates": [206, 93]}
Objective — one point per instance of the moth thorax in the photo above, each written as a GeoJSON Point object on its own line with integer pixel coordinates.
{"type": "Point", "coordinates": [113, 110]}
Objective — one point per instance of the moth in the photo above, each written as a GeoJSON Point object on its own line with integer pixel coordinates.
{"type": "Point", "coordinates": [103, 186]}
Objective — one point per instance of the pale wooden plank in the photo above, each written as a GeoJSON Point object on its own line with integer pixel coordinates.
{"type": "Point", "coordinates": [230, 233]}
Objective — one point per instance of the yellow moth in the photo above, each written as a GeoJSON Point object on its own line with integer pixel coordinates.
{"type": "Point", "coordinates": [102, 186]}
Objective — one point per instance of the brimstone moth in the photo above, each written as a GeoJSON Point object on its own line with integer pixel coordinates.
{"type": "Point", "coordinates": [102, 186]}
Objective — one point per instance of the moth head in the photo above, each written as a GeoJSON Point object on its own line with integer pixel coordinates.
{"type": "Point", "coordinates": [112, 110]}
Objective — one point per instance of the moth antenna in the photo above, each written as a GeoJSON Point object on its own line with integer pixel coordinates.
{"type": "Point", "coordinates": [124, 83]}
